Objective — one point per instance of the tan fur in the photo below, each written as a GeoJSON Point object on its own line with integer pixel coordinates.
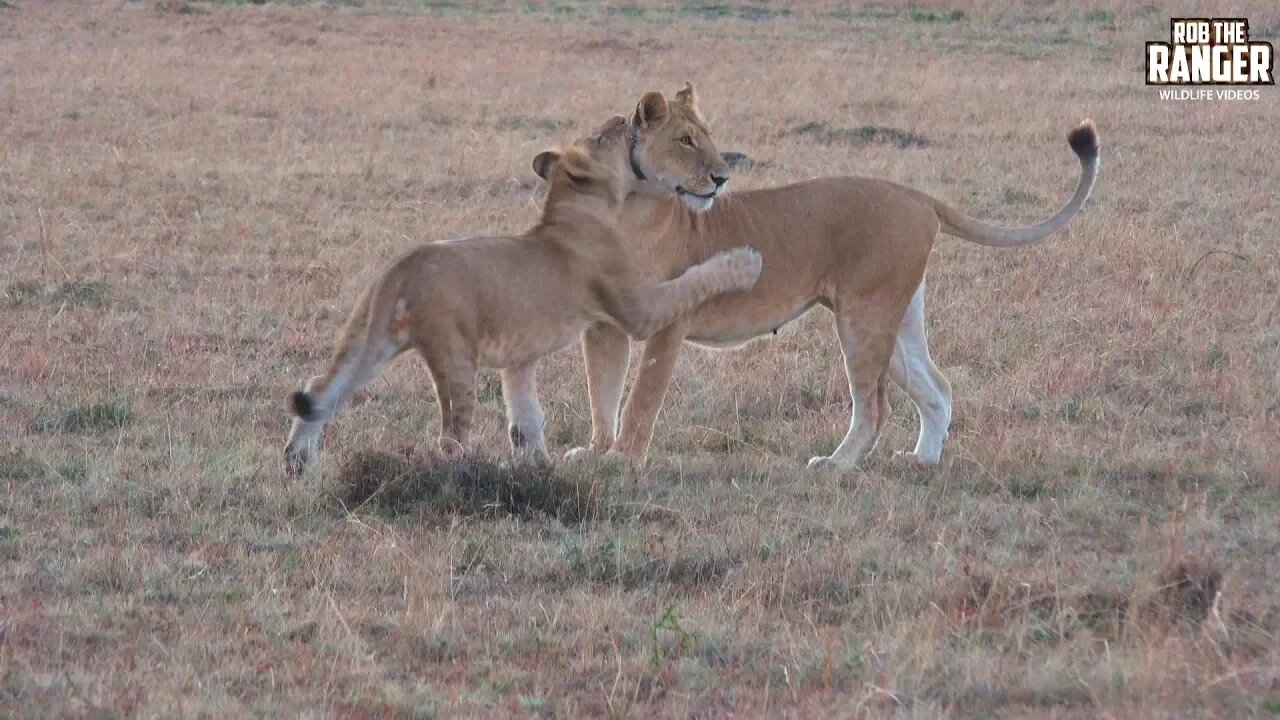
{"type": "Point", "coordinates": [857, 246]}
{"type": "Point", "coordinates": [505, 302]}
{"type": "Point", "coordinates": [673, 150]}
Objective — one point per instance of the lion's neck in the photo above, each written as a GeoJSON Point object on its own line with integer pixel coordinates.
{"type": "Point", "coordinates": [663, 229]}
{"type": "Point", "coordinates": [585, 221]}
{"type": "Point", "coordinates": [579, 225]}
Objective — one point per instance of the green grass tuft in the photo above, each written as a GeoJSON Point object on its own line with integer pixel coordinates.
{"type": "Point", "coordinates": [23, 293]}
{"type": "Point", "coordinates": [76, 293]}
{"type": "Point", "coordinates": [15, 464]}
{"type": "Point", "coordinates": [864, 135]}
{"type": "Point", "coordinates": [97, 417]}
{"type": "Point", "coordinates": [1100, 16]}
{"type": "Point", "coordinates": [931, 16]}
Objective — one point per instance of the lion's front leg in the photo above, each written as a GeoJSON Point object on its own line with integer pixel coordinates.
{"type": "Point", "coordinates": [645, 400]}
{"type": "Point", "coordinates": [606, 351]}
{"type": "Point", "coordinates": [643, 311]}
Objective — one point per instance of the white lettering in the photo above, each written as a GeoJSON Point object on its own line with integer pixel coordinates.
{"type": "Point", "coordinates": [1260, 63]}
{"type": "Point", "coordinates": [1178, 72]}
{"type": "Point", "coordinates": [1157, 63]}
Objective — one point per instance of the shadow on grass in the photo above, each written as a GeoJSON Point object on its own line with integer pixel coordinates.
{"type": "Point", "coordinates": [399, 484]}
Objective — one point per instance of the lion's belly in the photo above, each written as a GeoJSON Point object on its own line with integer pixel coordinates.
{"type": "Point", "coordinates": [732, 321]}
{"type": "Point", "coordinates": [518, 346]}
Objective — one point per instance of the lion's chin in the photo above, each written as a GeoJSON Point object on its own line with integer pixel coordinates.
{"type": "Point", "coordinates": [697, 203]}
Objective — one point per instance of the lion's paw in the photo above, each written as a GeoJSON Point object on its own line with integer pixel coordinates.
{"type": "Point", "coordinates": [295, 462]}
{"type": "Point", "coordinates": [612, 460]}
{"type": "Point", "coordinates": [908, 459]}
{"type": "Point", "coordinates": [298, 456]}
{"type": "Point", "coordinates": [741, 267]}
{"type": "Point", "coordinates": [822, 462]}
{"type": "Point", "coordinates": [912, 461]}
{"type": "Point", "coordinates": [451, 449]}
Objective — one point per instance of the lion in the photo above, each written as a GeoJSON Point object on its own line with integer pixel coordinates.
{"type": "Point", "coordinates": [856, 246]}
{"type": "Point", "coordinates": [505, 302]}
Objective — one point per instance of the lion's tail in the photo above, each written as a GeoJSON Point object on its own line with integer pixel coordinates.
{"type": "Point", "coordinates": [1084, 141]}
{"type": "Point", "coordinates": [364, 348]}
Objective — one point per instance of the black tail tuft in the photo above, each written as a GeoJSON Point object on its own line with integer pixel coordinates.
{"type": "Point", "coordinates": [301, 403]}
{"type": "Point", "coordinates": [1084, 140]}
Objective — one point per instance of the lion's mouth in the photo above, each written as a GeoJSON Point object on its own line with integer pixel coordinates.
{"type": "Point", "coordinates": [680, 189]}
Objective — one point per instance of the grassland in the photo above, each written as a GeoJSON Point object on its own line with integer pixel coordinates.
{"type": "Point", "coordinates": [192, 193]}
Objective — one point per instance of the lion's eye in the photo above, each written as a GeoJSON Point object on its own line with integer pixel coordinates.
{"type": "Point", "coordinates": [687, 141]}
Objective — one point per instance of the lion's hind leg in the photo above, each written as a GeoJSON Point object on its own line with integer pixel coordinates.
{"type": "Point", "coordinates": [883, 409]}
{"type": "Point", "coordinates": [454, 373]}
{"type": "Point", "coordinates": [363, 353]}
{"type": "Point", "coordinates": [867, 325]}
{"type": "Point", "coordinates": [864, 363]}
{"type": "Point", "coordinates": [912, 368]}
{"type": "Point", "coordinates": [524, 413]}
{"type": "Point", "coordinates": [325, 394]}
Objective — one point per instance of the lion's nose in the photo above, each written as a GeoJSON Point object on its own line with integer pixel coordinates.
{"type": "Point", "coordinates": [719, 179]}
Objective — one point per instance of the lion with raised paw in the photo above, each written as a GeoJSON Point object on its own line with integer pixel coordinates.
{"type": "Point", "coordinates": [856, 246]}
{"type": "Point", "coordinates": [505, 302]}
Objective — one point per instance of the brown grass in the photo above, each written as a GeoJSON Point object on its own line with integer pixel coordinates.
{"type": "Point", "coordinates": [408, 484]}
{"type": "Point", "coordinates": [192, 193]}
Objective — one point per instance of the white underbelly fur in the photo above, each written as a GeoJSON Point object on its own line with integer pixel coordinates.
{"type": "Point", "coordinates": [510, 349]}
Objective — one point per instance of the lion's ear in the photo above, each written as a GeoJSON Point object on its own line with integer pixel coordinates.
{"type": "Point", "coordinates": [543, 161]}
{"type": "Point", "coordinates": [576, 164]}
{"type": "Point", "coordinates": [688, 97]}
{"type": "Point", "coordinates": [653, 108]}
{"type": "Point", "coordinates": [614, 124]}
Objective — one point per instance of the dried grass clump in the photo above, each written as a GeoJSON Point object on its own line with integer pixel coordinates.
{"type": "Point", "coordinates": [405, 483]}
{"type": "Point", "coordinates": [1184, 591]}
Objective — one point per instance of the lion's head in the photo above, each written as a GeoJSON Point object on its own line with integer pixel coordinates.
{"type": "Point", "coordinates": [671, 151]}
{"type": "Point", "coordinates": [671, 146]}
{"type": "Point", "coordinates": [597, 165]}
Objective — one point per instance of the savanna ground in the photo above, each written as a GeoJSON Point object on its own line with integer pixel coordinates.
{"type": "Point", "coordinates": [191, 195]}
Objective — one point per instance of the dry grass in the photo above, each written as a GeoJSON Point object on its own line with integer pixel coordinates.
{"type": "Point", "coordinates": [192, 193]}
{"type": "Point", "coordinates": [476, 486]}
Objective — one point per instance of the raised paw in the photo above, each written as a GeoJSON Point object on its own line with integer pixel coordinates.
{"type": "Point", "coordinates": [740, 267]}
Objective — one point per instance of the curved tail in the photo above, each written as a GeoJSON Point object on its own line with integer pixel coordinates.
{"type": "Point", "coordinates": [364, 348]}
{"type": "Point", "coordinates": [1084, 141]}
